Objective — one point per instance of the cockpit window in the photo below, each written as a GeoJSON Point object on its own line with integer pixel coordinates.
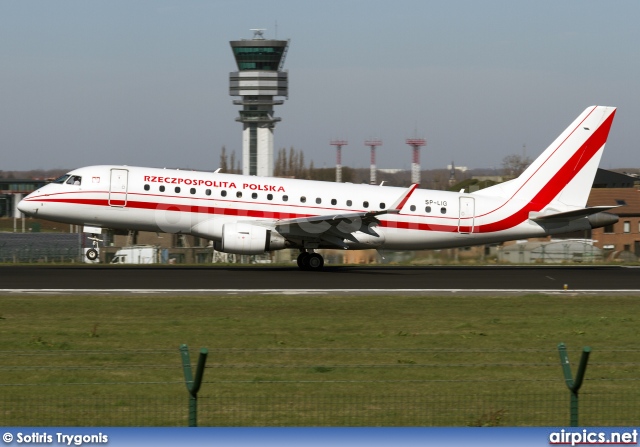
{"type": "Point", "coordinates": [74, 180]}
{"type": "Point", "coordinates": [62, 179]}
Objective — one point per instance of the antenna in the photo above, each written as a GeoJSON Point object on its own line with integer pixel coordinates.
{"type": "Point", "coordinates": [258, 33]}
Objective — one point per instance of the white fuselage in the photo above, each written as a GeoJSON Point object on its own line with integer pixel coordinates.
{"type": "Point", "coordinates": [180, 201]}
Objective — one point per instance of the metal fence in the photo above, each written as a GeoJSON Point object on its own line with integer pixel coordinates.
{"type": "Point", "coordinates": [55, 386]}
{"type": "Point", "coordinates": [501, 409]}
{"type": "Point", "coordinates": [40, 247]}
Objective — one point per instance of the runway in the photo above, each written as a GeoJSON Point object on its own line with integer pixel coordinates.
{"type": "Point", "coordinates": [344, 279]}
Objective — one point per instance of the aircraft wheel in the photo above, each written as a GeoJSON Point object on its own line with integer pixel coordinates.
{"type": "Point", "coordinates": [315, 261]}
{"type": "Point", "coordinates": [303, 260]}
{"type": "Point", "coordinates": [92, 254]}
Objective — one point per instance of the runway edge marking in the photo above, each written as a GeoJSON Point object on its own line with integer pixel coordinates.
{"type": "Point", "coordinates": [324, 291]}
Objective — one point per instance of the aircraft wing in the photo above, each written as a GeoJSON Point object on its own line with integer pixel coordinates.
{"type": "Point", "coordinates": [333, 229]}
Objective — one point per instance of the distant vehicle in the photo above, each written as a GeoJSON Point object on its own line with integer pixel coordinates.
{"type": "Point", "coordinates": [248, 215]}
{"type": "Point", "coordinates": [137, 254]}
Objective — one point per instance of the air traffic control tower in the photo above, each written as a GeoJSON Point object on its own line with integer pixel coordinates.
{"type": "Point", "coordinates": [259, 79]}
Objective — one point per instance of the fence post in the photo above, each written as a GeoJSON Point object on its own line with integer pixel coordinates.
{"type": "Point", "coordinates": [193, 386]}
{"type": "Point", "coordinates": [573, 385]}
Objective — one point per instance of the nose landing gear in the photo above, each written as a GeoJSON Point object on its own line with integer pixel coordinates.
{"type": "Point", "coordinates": [92, 253]}
{"type": "Point", "coordinates": [310, 261]}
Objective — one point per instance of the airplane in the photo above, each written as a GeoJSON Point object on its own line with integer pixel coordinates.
{"type": "Point", "coordinates": [250, 215]}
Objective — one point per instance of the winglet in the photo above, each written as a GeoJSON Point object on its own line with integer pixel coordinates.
{"type": "Point", "coordinates": [402, 200]}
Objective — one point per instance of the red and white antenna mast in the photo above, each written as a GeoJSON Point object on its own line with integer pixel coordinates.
{"type": "Point", "coordinates": [416, 144]}
{"type": "Point", "coordinates": [372, 144]}
{"type": "Point", "coordinates": [338, 144]}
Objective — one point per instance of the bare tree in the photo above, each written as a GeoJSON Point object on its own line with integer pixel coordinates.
{"type": "Point", "coordinates": [300, 169]}
{"type": "Point", "coordinates": [280, 169]}
{"type": "Point", "coordinates": [232, 163]}
{"type": "Point", "coordinates": [292, 162]}
{"type": "Point", "coordinates": [514, 165]}
{"type": "Point", "coordinates": [224, 167]}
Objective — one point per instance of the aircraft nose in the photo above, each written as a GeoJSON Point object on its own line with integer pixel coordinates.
{"type": "Point", "coordinates": [25, 207]}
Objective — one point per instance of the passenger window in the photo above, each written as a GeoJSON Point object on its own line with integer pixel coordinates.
{"type": "Point", "coordinates": [365, 204]}
{"type": "Point", "coordinates": [285, 198]}
{"type": "Point", "coordinates": [239, 194]}
{"type": "Point", "coordinates": [177, 190]}
{"type": "Point", "coordinates": [443, 210]}
{"type": "Point", "coordinates": [192, 191]}
{"type": "Point", "coordinates": [254, 195]}
{"type": "Point", "coordinates": [161, 188]}
{"type": "Point", "coordinates": [147, 187]}
{"type": "Point", "coordinates": [334, 202]}
{"type": "Point", "coordinates": [303, 199]}
{"type": "Point", "coordinates": [223, 193]}
{"type": "Point", "coordinates": [269, 196]}
{"type": "Point", "coordinates": [382, 205]}
{"type": "Point", "coordinates": [349, 202]}
{"type": "Point", "coordinates": [428, 209]}
{"type": "Point", "coordinates": [207, 192]}
{"type": "Point", "coordinates": [412, 207]}
{"type": "Point", "coordinates": [318, 200]}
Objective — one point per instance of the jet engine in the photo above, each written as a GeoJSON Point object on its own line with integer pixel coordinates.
{"type": "Point", "coordinates": [247, 239]}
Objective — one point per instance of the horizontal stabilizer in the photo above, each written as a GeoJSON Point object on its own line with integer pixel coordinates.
{"type": "Point", "coordinates": [570, 215]}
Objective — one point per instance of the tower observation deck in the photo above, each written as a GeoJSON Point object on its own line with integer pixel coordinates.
{"type": "Point", "coordinates": [259, 79]}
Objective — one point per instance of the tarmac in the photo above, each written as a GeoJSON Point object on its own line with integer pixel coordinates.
{"type": "Point", "coordinates": [331, 280]}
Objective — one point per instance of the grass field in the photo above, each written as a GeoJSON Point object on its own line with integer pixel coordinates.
{"type": "Point", "coordinates": [273, 359]}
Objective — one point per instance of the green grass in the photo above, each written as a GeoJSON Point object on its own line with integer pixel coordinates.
{"type": "Point", "coordinates": [471, 356]}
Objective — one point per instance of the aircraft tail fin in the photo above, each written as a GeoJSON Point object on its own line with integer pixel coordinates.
{"type": "Point", "coordinates": [561, 177]}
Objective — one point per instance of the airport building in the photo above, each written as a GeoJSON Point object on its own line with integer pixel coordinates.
{"type": "Point", "coordinates": [620, 240]}
{"type": "Point", "coordinates": [12, 191]}
{"type": "Point", "coordinates": [259, 80]}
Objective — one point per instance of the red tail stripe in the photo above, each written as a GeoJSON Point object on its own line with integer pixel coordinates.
{"type": "Point", "coordinates": [561, 178]}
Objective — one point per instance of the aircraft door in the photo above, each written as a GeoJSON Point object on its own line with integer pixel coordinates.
{"type": "Point", "coordinates": [467, 215]}
{"type": "Point", "coordinates": [118, 187]}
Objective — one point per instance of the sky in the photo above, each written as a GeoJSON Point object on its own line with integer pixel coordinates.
{"type": "Point", "coordinates": [146, 83]}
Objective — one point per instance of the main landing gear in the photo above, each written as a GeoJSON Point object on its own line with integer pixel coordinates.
{"type": "Point", "coordinates": [310, 261]}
